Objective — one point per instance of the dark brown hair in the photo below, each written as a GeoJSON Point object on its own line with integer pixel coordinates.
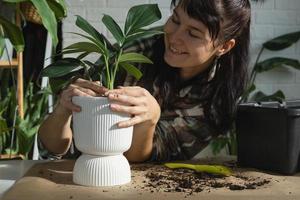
{"type": "Point", "coordinates": [225, 20]}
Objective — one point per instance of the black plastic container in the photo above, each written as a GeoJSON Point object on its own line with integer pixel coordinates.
{"type": "Point", "coordinates": [268, 136]}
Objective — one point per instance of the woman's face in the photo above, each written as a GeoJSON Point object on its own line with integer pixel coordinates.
{"type": "Point", "coordinates": [188, 44]}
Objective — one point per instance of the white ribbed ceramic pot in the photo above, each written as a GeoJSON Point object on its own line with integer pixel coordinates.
{"type": "Point", "coordinates": [101, 170]}
{"type": "Point", "coordinates": [102, 143]}
{"type": "Point", "coordinates": [95, 130]}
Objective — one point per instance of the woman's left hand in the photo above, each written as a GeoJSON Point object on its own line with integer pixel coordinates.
{"type": "Point", "coordinates": [137, 102]}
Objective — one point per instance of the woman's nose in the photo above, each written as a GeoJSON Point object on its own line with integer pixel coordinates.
{"type": "Point", "coordinates": [176, 34]}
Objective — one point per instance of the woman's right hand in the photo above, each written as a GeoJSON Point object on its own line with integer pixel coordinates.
{"type": "Point", "coordinates": [80, 87]}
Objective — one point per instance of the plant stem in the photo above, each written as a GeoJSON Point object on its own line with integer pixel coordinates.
{"type": "Point", "coordinates": [107, 72]}
{"type": "Point", "coordinates": [254, 72]}
{"type": "Point", "coordinates": [116, 67]}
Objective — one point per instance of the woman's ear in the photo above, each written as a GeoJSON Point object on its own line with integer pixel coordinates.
{"type": "Point", "coordinates": [224, 48]}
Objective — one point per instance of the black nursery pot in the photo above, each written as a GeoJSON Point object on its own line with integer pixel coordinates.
{"type": "Point", "coordinates": [268, 136]}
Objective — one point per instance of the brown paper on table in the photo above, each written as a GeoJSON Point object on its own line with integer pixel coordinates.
{"type": "Point", "coordinates": [53, 181]}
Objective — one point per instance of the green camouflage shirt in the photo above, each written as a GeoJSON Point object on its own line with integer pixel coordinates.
{"type": "Point", "coordinates": [181, 133]}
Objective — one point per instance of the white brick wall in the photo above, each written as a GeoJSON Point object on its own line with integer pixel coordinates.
{"type": "Point", "coordinates": [270, 19]}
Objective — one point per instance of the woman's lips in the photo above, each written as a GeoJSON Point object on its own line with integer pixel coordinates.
{"type": "Point", "coordinates": [175, 50]}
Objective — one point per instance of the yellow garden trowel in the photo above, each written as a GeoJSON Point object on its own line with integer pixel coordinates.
{"type": "Point", "coordinates": [212, 169]}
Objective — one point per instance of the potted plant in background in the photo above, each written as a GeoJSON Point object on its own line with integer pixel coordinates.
{"type": "Point", "coordinates": [275, 44]}
{"type": "Point", "coordinates": [17, 133]}
{"type": "Point", "coordinates": [46, 12]}
{"type": "Point", "coordinates": [95, 132]}
{"type": "Point", "coordinates": [270, 123]}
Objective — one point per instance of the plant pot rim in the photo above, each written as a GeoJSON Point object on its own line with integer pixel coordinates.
{"type": "Point", "coordinates": [90, 97]}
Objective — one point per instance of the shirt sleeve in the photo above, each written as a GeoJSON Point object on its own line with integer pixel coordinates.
{"type": "Point", "coordinates": [179, 138]}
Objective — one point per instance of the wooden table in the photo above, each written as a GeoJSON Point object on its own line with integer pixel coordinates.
{"type": "Point", "coordinates": [53, 180]}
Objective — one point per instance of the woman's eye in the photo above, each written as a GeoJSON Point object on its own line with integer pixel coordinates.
{"type": "Point", "coordinates": [194, 35]}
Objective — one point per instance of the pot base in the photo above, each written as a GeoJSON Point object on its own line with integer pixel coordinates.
{"type": "Point", "coordinates": [90, 170]}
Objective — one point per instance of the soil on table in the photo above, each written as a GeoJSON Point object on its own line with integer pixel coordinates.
{"type": "Point", "coordinates": [162, 179]}
{"type": "Point", "coordinates": [150, 178]}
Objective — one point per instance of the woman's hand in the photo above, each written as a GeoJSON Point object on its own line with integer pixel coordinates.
{"type": "Point", "coordinates": [80, 87]}
{"type": "Point", "coordinates": [137, 102]}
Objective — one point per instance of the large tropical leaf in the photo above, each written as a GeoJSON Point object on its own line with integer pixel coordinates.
{"type": "Point", "coordinates": [140, 16]}
{"type": "Point", "coordinates": [113, 28]}
{"type": "Point", "coordinates": [48, 18]}
{"type": "Point", "coordinates": [134, 57]}
{"type": "Point", "coordinates": [15, 1]}
{"type": "Point", "coordinates": [277, 96]}
{"type": "Point", "coordinates": [85, 47]}
{"type": "Point", "coordinates": [132, 70]}
{"type": "Point", "coordinates": [100, 45]}
{"type": "Point", "coordinates": [282, 42]}
{"type": "Point", "coordinates": [3, 126]}
{"type": "Point", "coordinates": [13, 33]}
{"type": "Point", "coordinates": [2, 45]}
{"type": "Point", "coordinates": [59, 8]}
{"type": "Point", "coordinates": [89, 29]}
{"type": "Point", "coordinates": [62, 67]}
{"type": "Point", "coordinates": [140, 35]}
{"type": "Point", "coordinates": [276, 62]}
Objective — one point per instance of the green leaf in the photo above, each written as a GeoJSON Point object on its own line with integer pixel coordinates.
{"type": "Point", "coordinates": [277, 96]}
{"type": "Point", "coordinates": [276, 62]}
{"type": "Point", "coordinates": [59, 8]}
{"type": "Point", "coordinates": [247, 92]}
{"type": "Point", "coordinates": [134, 57]}
{"type": "Point", "coordinates": [212, 169]}
{"type": "Point", "coordinates": [100, 45]}
{"type": "Point", "coordinates": [132, 70]}
{"type": "Point", "coordinates": [57, 84]}
{"type": "Point", "coordinates": [13, 33]}
{"type": "Point", "coordinates": [3, 126]}
{"type": "Point", "coordinates": [85, 47]}
{"type": "Point", "coordinates": [62, 67]}
{"type": "Point", "coordinates": [218, 144]}
{"type": "Point", "coordinates": [2, 46]}
{"type": "Point", "coordinates": [140, 35]}
{"type": "Point", "coordinates": [282, 42]}
{"type": "Point", "coordinates": [14, 1]}
{"type": "Point", "coordinates": [48, 18]}
{"type": "Point", "coordinates": [83, 55]}
{"type": "Point", "coordinates": [89, 29]}
{"type": "Point", "coordinates": [113, 28]}
{"type": "Point", "coordinates": [140, 16]}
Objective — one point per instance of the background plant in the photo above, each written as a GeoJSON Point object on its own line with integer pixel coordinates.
{"type": "Point", "coordinates": [276, 44]}
{"type": "Point", "coordinates": [112, 56]}
{"type": "Point", "coordinates": [49, 10]}
{"type": "Point", "coordinates": [16, 134]}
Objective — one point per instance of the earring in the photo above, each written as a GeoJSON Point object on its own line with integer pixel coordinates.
{"type": "Point", "coordinates": [214, 69]}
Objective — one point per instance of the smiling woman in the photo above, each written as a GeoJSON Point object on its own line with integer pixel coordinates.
{"type": "Point", "coordinates": [186, 97]}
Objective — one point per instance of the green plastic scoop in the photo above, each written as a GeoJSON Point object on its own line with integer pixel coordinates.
{"type": "Point", "coordinates": [212, 169]}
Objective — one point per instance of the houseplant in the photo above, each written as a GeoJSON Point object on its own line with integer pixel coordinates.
{"type": "Point", "coordinates": [270, 119]}
{"type": "Point", "coordinates": [50, 12]}
{"type": "Point", "coordinates": [251, 93]}
{"type": "Point", "coordinates": [17, 133]}
{"type": "Point", "coordinates": [95, 131]}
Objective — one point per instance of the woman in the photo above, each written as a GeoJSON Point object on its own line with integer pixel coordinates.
{"type": "Point", "coordinates": [187, 97]}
